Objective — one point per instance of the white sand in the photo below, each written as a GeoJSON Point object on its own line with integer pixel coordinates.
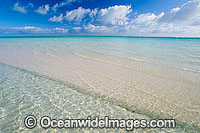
{"type": "Point", "coordinates": [166, 91]}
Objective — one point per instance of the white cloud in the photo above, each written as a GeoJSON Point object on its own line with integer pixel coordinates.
{"type": "Point", "coordinates": [22, 9]}
{"type": "Point", "coordinates": [115, 15]}
{"type": "Point", "coordinates": [116, 20]}
{"type": "Point", "coordinates": [179, 21]}
{"type": "Point", "coordinates": [76, 15]}
{"type": "Point", "coordinates": [175, 10]}
{"type": "Point", "coordinates": [57, 19]}
{"type": "Point", "coordinates": [34, 30]}
{"type": "Point", "coordinates": [148, 18]}
{"type": "Point", "coordinates": [18, 8]}
{"type": "Point", "coordinates": [99, 29]}
{"type": "Point", "coordinates": [165, 29]}
{"type": "Point", "coordinates": [63, 3]}
{"type": "Point", "coordinates": [60, 30]}
{"type": "Point", "coordinates": [23, 28]}
{"type": "Point", "coordinates": [93, 12]}
{"type": "Point", "coordinates": [43, 9]}
{"type": "Point", "coordinates": [77, 28]}
{"type": "Point", "coordinates": [189, 11]}
{"type": "Point", "coordinates": [31, 29]}
{"type": "Point", "coordinates": [54, 8]}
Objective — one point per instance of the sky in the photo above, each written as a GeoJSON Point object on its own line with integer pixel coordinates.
{"type": "Point", "coordinates": [100, 17]}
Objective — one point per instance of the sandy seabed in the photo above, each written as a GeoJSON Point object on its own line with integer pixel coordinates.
{"type": "Point", "coordinates": [155, 90]}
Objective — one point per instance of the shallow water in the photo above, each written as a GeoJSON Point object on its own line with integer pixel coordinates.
{"type": "Point", "coordinates": [160, 75]}
{"type": "Point", "coordinates": [182, 53]}
{"type": "Point", "coordinates": [23, 93]}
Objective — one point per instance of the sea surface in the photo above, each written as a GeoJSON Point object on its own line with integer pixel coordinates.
{"type": "Point", "coordinates": [180, 53]}
{"type": "Point", "coordinates": [173, 63]}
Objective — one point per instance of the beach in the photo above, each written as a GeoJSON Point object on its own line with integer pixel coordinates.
{"type": "Point", "coordinates": [131, 77]}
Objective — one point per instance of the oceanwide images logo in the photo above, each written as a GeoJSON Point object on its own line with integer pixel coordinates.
{"type": "Point", "coordinates": [46, 122]}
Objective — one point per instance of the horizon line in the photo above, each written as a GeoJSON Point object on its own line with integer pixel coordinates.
{"type": "Point", "coordinates": [10, 36]}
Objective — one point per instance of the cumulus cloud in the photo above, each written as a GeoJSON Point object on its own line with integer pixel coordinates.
{"type": "Point", "coordinates": [179, 21]}
{"type": "Point", "coordinates": [22, 9]}
{"type": "Point", "coordinates": [63, 3]}
{"type": "Point", "coordinates": [115, 15]}
{"type": "Point", "coordinates": [54, 8]}
{"type": "Point", "coordinates": [117, 20]}
{"type": "Point", "coordinates": [187, 12]}
{"type": "Point", "coordinates": [76, 15]}
{"type": "Point", "coordinates": [96, 29]}
{"type": "Point", "coordinates": [93, 12]}
{"type": "Point", "coordinates": [148, 18]}
{"type": "Point", "coordinates": [19, 8]}
{"type": "Point", "coordinates": [43, 9]}
{"type": "Point", "coordinates": [57, 18]}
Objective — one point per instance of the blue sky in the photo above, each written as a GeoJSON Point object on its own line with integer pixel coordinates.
{"type": "Point", "coordinates": [100, 17]}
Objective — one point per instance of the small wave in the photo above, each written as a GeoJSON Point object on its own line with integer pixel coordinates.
{"type": "Point", "coordinates": [137, 59]}
{"type": "Point", "coordinates": [190, 70]}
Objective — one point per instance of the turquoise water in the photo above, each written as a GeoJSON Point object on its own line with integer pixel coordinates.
{"type": "Point", "coordinates": [183, 53]}
{"type": "Point", "coordinates": [23, 92]}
